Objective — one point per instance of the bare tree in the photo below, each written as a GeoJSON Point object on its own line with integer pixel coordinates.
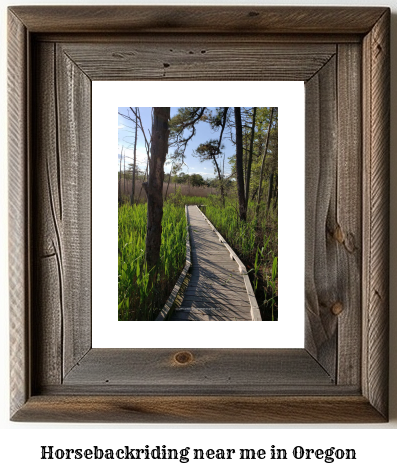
{"type": "Point", "coordinates": [239, 165]}
{"type": "Point", "coordinates": [135, 116]}
{"type": "Point", "coordinates": [121, 158]}
{"type": "Point", "coordinates": [134, 168]}
{"type": "Point", "coordinates": [124, 175]}
{"type": "Point", "coordinates": [249, 163]}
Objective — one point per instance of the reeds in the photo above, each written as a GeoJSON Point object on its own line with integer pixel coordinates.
{"type": "Point", "coordinates": [184, 189]}
{"type": "Point", "coordinates": [143, 293]}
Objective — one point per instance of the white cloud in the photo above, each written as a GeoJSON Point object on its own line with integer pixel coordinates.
{"type": "Point", "coordinates": [141, 156]}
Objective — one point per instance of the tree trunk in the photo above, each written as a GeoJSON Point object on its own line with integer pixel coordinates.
{"type": "Point", "coordinates": [169, 179]}
{"type": "Point", "coordinates": [263, 162]}
{"type": "Point", "coordinates": [275, 197]}
{"type": "Point", "coordinates": [121, 157]}
{"type": "Point", "coordinates": [270, 192]}
{"type": "Point", "coordinates": [220, 181]}
{"type": "Point", "coordinates": [154, 188]}
{"type": "Point", "coordinates": [251, 150]}
{"type": "Point", "coordinates": [245, 160]}
{"type": "Point", "coordinates": [133, 173]}
{"type": "Point", "coordinates": [239, 165]}
{"type": "Point", "coordinates": [144, 178]}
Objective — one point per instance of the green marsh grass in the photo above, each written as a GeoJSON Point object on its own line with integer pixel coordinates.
{"type": "Point", "coordinates": [143, 293]}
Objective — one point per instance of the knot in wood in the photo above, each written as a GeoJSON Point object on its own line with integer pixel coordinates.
{"type": "Point", "coordinates": [183, 358]}
{"type": "Point", "coordinates": [338, 235]}
{"type": "Point", "coordinates": [337, 308]}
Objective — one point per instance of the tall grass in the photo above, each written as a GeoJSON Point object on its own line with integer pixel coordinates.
{"type": "Point", "coordinates": [143, 293]}
{"type": "Point", "coordinates": [184, 189]}
{"type": "Point", "coordinates": [181, 199]}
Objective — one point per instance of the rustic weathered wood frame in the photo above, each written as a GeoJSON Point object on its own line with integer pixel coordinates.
{"type": "Point", "coordinates": [343, 56]}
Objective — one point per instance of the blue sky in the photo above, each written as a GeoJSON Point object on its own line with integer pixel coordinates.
{"type": "Point", "coordinates": [192, 164]}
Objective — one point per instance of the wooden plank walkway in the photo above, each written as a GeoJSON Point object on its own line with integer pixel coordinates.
{"type": "Point", "coordinates": [217, 289]}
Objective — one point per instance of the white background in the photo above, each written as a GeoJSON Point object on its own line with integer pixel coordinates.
{"type": "Point", "coordinates": [288, 332]}
{"type": "Point", "coordinates": [20, 443]}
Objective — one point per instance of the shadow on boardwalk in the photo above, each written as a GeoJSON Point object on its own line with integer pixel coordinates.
{"type": "Point", "coordinates": [216, 289]}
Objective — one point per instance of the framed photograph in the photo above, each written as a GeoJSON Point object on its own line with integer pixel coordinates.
{"type": "Point", "coordinates": [340, 374]}
{"type": "Point", "coordinates": [213, 286]}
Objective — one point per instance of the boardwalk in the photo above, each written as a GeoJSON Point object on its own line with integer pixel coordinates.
{"type": "Point", "coordinates": [217, 290]}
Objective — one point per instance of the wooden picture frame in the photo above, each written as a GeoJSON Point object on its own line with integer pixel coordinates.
{"type": "Point", "coordinates": [343, 56]}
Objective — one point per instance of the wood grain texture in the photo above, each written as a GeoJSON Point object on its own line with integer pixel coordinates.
{"type": "Point", "coordinates": [213, 305]}
{"type": "Point", "coordinates": [199, 409]}
{"type": "Point", "coordinates": [376, 92]}
{"type": "Point", "coordinates": [195, 39]}
{"type": "Point", "coordinates": [73, 110]}
{"type": "Point", "coordinates": [224, 59]}
{"type": "Point", "coordinates": [321, 260]}
{"type": "Point", "coordinates": [62, 206]}
{"type": "Point", "coordinates": [333, 216]}
{"type": "Point", "coordinates": [18, 225]}
{"type": "Point", "coordinates": [198, 19]}
{"type": "Point", "coordinates": [48, 298]}
{"type": "Point", "coordinates": [305, 390]}
{"type": "Point", "coordinates": [158, 369]}
{"type": "Point", "coordinates": [254, 308]}
{"type": "Point", "coordinates": [347, 230]}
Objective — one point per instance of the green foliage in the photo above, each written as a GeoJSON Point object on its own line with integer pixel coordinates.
{"type": "Point", "coordinates": [177, 199]}
{"type": "Point", "coordinates": [208, 150]}
{"type": "Point", "coordinates": [271, 163]}
{"type": "Point", "coordinates": [199, 200]}
{"type": "Point", "coordinates": [143, 293]}
{"type": "Point", "coordinates": [181, 178]}
{"type": "Point", "coordinates": [183, 127]}
{"type": "Point", "coordinates": [197, 180]}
